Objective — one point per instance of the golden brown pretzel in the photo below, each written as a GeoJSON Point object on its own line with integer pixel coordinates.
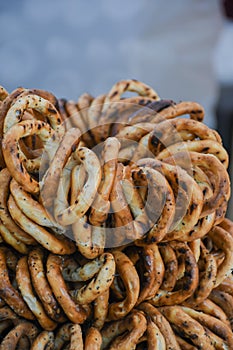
{"type": "Point", "coordinates": [61, 245]}
{"type": "Point", "coordinates": [100, 310]}
{"type": "Point", "coordinates": [50, 180]}
{"type": "Point", "coordinates": [23, 329]}
{"type": "Point", "coordinates": [225, 302]}
{"type": "Point", "coordinates": [7, 291]}
{"type": "Point", "coordinates": [44, 341]}
{"type": "Point", "coordinates": [3, 93]}
{"type": "Point", "coordinates": [171, 266]}
{"type": "Point", "coordinates": [186, 284]}
{"type": "Point", "coordinates": [93, 339]}
{"type": "Point", "coordinates": [74, 311]}
{"type": "Point", "coordinates": [162, 324]}
{"type": "Point", "coordinates": [14, 158]}
{"type": "Point", "coordinates": [187, 326]}
{"type": "Point", "coordinates": [124, 334]}
{"type": "Point", "coordinates": [153, 272]}
{"type": "Point", "coordinates": [66, 216]}
{"type": "Point", "coordinates": [39, 214]}
{"type": "Point", "coordinates": [224, 241]}
{"type": "Point", "coordinates": [213, 324]}
{"type": "Point", "coordinates": [131, 282]}
{"type": "Point", "coordinates": [25, 286]}
{"type": "Point", "coordinates": [207, 276]}
{"type": "Point", "coordinates": [100, 283]}
{"type": "Point", "coordinates": [101, 204]}
{"type": "Point", "coordinates": [41, 285]}
{"type": "Point", "coordinates": [195, 111]}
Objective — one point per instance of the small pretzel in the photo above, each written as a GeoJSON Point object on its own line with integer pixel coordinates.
{"type": "Point", "coordinates": [224, 241]}
{"type": "Point", "coordinates": [224, 301]}
{"type": "Point", "coordinates": [24, 283]}
{"type": "Point", "coordinates": [12, 155]}
{"type": "Point", "coordinates": [8, 293]}
{"type": "Point", "coordinates": [162, 324]}
{"type": "Point", "coordinates": [41, 285]}
{"type": "Point", "coordinates": [26, 202]}
{"type": "Point", "coordinates": [66, 216]}
{"type": "Point", "coordinates": [50, 180]}
{"type": "Point", "coordinates": [124, 334]}
{"type": "Point", "coordinates": [41, 235]}
{"type": "Point", "coordinates": [121, 212]}
{"type": "Point", "coordinates": [100, 309]}
{"type": "Point", "coordinates": [216, 326]}
{"type": "Point", "coordinates": [195, 111]}
{"type": "Point", "coordinates": [190, 328]}
{"type": "Point", "coordinates": [101, 204]}
{"type": "Point", "coordinates": [35, 102]}
{"type": "Point", "coordinates": [207, 276]}
{"type": "Point", "coordinates": [100, 283]}
{"type": "Point", "coordinates": [75, 312]}
{"type": "Point", "coordinates": [154, 272]}
{"type": "Point", "coordinates": [12, 339]}
{"type": "Point", "coordinates": [131, 282]}
{"type": "Point", "coordinates": [171, 267]}
{"type": "Point", "coordinates": [186, 285]}
{"type": "Point", "coordinates": [44, 341]}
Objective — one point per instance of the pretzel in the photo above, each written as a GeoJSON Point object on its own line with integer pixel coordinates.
{"type": "Point", "coordinates": [186, 285]}
{"type": "Point", "coordinates": [214, 325]}
{"type": "Point", "coordinates": [41, 285]}
{"type": "Point", "coordinates": [171, 267]}
{"type": "Point", "coordinates": [213, 167]}
{"type": "Point", "coordinates": [44, 341]}
{"type": "Point", "coordinates": [41, 235]}
{"type": "Point", "coordinates": [100, 283]}
{"type": "Point", "coordinates": [101, 204]}
{"type": "Point", "coordinates": [75, 312]}
{"type": "Point", "coordinates": [195, 111]}
{"type": "Point", "coordinates": [224, 241]}
{"type": "Point", "coordinates": [100, 310]}
{"type": "Point", "coordinates": [66, 216]}
{"type": "Point", "coordinates": [131, 282]}
{"type": "Point", "coordinates": [50, 180]}
{"type": "Point", "coordinates": [124, 334]}
{"type": "Point", "coordinates": [162, 324]}
{"type": "Point", "coordinates": [153, 274]}
{"type": "Point", "coordinates": [23, 329]}
{"type": "Point", "coordinates": [224, 301]}
{"type": "Point", "coordinates": [169, 132]}
{"type": "Point", "coordinates": [187, 326]}
{"type": "Point", "coordinates": [12, 155]}
{"type": "Point", "coordinates": [8, 293]}
{"type": "Point", "coordinates": [207, 276]}
{"type": "Point", "coordinates": [184, 188]}
{"type": "Point", "coordinates": [93, 339]}
{"type": "Point", "coordinates": [123, 220]}
{"type": "Point", "coordinates": [25, 287]}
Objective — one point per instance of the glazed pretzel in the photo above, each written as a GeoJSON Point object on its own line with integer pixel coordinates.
{"type": "Point", "coordinates": [225, 302]}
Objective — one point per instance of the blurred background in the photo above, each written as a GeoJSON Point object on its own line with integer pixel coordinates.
{"type": "Point", "coordinates": [182, 48]}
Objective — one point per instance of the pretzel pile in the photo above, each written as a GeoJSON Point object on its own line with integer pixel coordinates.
{"type": "Point", "coordinates": [112, 223]}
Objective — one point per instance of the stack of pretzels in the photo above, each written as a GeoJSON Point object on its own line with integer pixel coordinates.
{"type": "Point", "coordinates": [112, 223]}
